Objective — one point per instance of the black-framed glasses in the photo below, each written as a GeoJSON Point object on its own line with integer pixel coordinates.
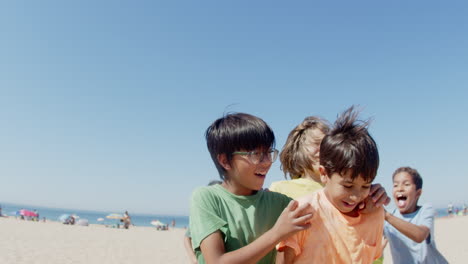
{"type": "Point", "coordinates": [256, 157]}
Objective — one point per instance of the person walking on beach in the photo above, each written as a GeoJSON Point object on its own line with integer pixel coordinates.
{"type": "Point", "coordinates": [450, 209]}
{"type": "Point", "coordinates": [127, 220]}
{"type": "Point", "coordinates": [237, 221]}
{"type": "Point", "coordinates": [410, 228]}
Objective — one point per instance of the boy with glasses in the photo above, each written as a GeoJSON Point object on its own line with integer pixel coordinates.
{"type": "Point", "coordinates": [236, 221]}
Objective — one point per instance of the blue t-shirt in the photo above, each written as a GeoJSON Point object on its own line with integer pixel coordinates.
{"type": "Point", "coordinates": [404, 249]}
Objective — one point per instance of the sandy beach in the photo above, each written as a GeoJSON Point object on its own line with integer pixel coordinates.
{"type": "Point", "coordinates": [54, 243]}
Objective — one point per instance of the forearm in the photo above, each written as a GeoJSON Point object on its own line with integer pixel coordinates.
{"type": "Point", "coordinates": [255, 251]}
{"type": "Point", "coordinates": [417, 233]}
{"type": "Point", "coordinates": [251, 253]}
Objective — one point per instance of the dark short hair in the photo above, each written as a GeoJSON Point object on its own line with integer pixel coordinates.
{"type": "Point", "coordinates": [234, 132]}
{"type": "Point", "coordinates": [417, 180]}
{"type": "Point", "coordinates": [349, 146]}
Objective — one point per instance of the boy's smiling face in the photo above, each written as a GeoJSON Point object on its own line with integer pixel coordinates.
{"type": "Point", "coordinates": [343, 192]}
{"type": "Point", "coordinates": [243, 177]}
{"type": "Point", "coordinates": [404, 192]}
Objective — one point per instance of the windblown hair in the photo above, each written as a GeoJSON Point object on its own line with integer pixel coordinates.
{"type": "Point", "coordinates": [235, 132]}
{"type": "Point", "coordinates": [295, 157]}
{"type": "Point", "coordinates": [350, 147]}
{"type": "Point", "coordinates": [417, 179]}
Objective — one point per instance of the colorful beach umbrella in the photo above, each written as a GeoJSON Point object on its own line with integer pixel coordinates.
{"type": "Point", "coordinates": [114, 216]}
{"type": "Point", "coordinates": [28, 213]}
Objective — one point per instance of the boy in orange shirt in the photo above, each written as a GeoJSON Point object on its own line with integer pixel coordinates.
{"type": "Point", "coordinates": [340, 232]}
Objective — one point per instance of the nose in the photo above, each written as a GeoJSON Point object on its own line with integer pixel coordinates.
{"type": "Point", "coordinates": [355, 195]}
{"type": "Point", "coordinates": [399, 187]}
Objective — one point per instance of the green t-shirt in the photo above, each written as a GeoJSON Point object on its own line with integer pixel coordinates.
{"type": "Point", "coordinates": [240, 219]}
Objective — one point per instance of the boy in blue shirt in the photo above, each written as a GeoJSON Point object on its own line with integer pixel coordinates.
{"type": "Point", "coordinates": [410, 228]}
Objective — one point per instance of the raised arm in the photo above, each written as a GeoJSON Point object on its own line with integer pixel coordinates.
{"type": "Point", "coordinates": [291, 220]}
{"type": "Point", "coordinates": [417, 233]}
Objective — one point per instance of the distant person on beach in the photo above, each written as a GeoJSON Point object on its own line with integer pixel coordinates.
{"type": "Point", "coordinates": [21, 216]}
{"type": "Point", "coordinates": [36, 218]}
{"type": "Point", "coordinates": [224, 219]}
{"type": "Point", "coordinates": [127, 220]}
{"type": "Point", "coordinates": [70, 220]}
{"type": "Point", "coordinates": [410, 227]}
{"type": "Point", "coordinates": [450, 209]}
{"type": "Point", "coordinates": [1, 211]}
{"type": "Point", "coordinates": [300, 159]}
{"type": "Point", "coordinates": [341, 231]}
{"type": "Point", "coordinates": [188, 237]}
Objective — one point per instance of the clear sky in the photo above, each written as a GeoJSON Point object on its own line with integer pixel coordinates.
{"type": "Point", "coordinates": [104, 104]}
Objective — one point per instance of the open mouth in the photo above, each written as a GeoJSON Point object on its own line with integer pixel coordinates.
{"type": "Point", "coordinates": [401, 200]}
{"type": "Point", "coordinates": [261, 175]}
{"type": "Point", "coordinates": [349, 205]}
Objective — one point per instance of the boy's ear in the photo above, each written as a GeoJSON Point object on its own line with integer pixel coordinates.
{"type": "Point", "coordinates": [418, 193]}
{"type": "Point", "coordinates": [323, 175]}
{"type": "Point", "coordinates": [223, 160]}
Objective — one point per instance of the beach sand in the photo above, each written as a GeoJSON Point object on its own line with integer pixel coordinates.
{"type": "Point", "coordinates": [26, 242]}
{"type": "Point", "coordinates": [55, 243]}
{"type": "Point", "coordinates": [451, 236]}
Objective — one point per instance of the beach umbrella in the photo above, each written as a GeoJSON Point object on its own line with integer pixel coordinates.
{"type": "Point", "coordinates": [63, 217]}
{"type": "Point", "coordinates": [28, 213]}
{"type": "Point", "coordinates": [157, 223]}
{"type": "Point", "coordinates": [114, 216]}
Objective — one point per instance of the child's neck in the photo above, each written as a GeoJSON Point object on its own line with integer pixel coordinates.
{"type": "Point", "coordinates": [311, 177]}
{"type": "Point", "coordinates": [412, 210]}
{"type": "Point", "coordinates": [237, 190]}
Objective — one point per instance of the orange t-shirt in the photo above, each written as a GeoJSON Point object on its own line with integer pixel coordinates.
{"type": "Point", "coordinates": [336, 238]}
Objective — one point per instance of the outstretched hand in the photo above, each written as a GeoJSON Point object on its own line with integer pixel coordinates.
{"type": "Point", "coordinates": [377, 197]}
{"type": "Point", "coordinates": [294, 218]}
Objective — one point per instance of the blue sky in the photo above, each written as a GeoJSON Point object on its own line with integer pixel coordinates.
{"type": "Point", "coordinates": [104, 104]}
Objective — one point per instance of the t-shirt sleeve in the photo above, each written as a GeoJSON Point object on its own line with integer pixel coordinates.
{"type": "Point", "coordinates": [427, 216]}
{"type": "Point", "coordinates": [295, 242]}
{"type": "Point", "coordinates": [204, 216]}
{"type": "Point", "coordinates": [379, 222]}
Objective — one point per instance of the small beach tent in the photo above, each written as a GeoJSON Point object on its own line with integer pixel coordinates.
{"type": "Point", "coordinates": [82, 222]}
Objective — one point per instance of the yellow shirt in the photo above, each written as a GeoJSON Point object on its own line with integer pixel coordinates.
{"type": "Point", "coordinates": [336, 238]}
{"type": "Point", "coordinates": [295, 188]}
